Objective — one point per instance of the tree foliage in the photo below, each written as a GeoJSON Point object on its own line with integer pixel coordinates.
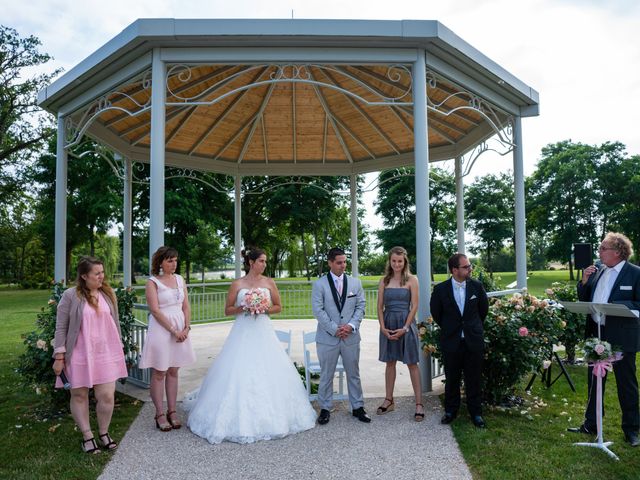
{"type": "Point", "coordinates": [23, 127]}
{"type": "Point", "coordinates": [489, 205]}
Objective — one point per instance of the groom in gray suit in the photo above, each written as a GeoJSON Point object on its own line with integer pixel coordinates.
{"type": "Point", "coordinates": [338, 304]}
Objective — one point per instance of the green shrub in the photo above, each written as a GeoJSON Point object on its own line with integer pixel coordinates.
{"type": "Point", "coordinates": [574, 324]}
{"type": "Point", "coordinates": [519, 334]}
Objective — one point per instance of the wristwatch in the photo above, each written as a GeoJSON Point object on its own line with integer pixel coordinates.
{"type": "Point", "coordinates": [406, 329]}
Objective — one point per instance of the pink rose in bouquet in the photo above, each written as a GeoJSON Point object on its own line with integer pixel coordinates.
{"type": "Point", "coordinates": [599, 349]}
{"type": "Point", "coordinates": [523, 331]}
{"type": "Point", "coordinates": [255, 302]}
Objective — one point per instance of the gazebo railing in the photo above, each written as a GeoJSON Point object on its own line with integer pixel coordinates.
{"type": "Point", "coordinates": [207, 305]}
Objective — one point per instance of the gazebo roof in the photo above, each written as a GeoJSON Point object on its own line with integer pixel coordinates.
{"type": "Point", "coordinates": [288, 96]}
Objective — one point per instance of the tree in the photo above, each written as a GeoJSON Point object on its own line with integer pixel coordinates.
{"type": "Point", "coordinates": [563, 198]}
{"type": "Point", "coordinates": [489, 203]}
{"type": "Point", "coordinates": [206, 247]}
{"type": "Point", "coordinates": [94, 197]}
{"type": "Point", "coordinates": [23, 127]}
{"type": "Point", "coordinates": [396, 205]}
{"type": "Point", "coordinates": [188, 200]}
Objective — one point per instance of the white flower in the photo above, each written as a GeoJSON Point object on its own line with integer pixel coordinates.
{"type": "Point", "coordinates": [41, 344]}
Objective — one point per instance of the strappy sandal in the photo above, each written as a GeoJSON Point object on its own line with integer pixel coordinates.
{"type": "Point", "coordinates": [94, 450]}
{"type": "Point", "coordinates": [389, 408]}
{"type": "Point", "coordinates": [418, 417]}
{"type": "Point", "coordinates": [109, 445]}
{"type": "Point", "coordinates": [176, 424]}
{"type": "Point", "coordinates": [163, 427]}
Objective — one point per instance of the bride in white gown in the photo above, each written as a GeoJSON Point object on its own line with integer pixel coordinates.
{"type": "Point", "coordinates": [252, 391]}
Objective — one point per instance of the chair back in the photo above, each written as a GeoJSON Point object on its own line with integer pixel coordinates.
{"type": "Point", "coordinates": [285, 337]}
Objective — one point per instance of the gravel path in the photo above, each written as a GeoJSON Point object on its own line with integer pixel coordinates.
{"type": "Point", "coordinates": [345, 448]}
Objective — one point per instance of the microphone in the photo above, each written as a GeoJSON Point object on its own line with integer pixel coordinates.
{"type": "Point", "coordinates": [65, 381]}
{"type": "Point", "coordinates": [598, 265]}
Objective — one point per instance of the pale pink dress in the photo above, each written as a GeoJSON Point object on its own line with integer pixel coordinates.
{"type": "Point", "coordinates": [97, 356]}
{"type": "Point", "coordinates": [161, 350]}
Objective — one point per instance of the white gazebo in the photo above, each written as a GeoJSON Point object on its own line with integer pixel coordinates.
{"type": "Point", "coordinates": [290, 97]}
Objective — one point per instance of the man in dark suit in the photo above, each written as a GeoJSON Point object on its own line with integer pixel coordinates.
{"type": "Point", "coordinates": [459, 306]}
{"type": "Point", "coordinates": [614, 281]}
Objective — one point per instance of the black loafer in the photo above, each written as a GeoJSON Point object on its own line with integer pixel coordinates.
{"type": "Point", "coordinates": [361, 415]}
{"type": "Point", "coordinates": [324, 416]}
{"type": "Point", "coordinates": [632, 439]}
{"type": "Point", "coordinates": [581, 429]}
{"type": "Point", "coordinates": [447, 418]}
{"type": "Point", "coordinates": [478, 421]}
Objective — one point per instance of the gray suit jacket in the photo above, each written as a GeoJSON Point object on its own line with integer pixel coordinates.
{"type": "Point", "coordinates": [331, 311]}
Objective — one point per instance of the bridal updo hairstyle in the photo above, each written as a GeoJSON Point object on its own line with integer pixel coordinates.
{"type": "Point", "coordinates": [251, 255]}
{"type": "Point", "coordinates": [159, 256]}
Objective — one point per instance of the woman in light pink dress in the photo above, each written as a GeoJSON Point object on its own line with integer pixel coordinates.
{"type": "Point", "coordinates": [88, 347]}
{"type": "Point", "coordinates": [168, 346]}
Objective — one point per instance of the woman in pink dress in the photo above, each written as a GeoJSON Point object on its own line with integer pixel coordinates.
{"type": "Point", "coordinates": [88, 347]}
{"type": "Point", "coordinates": [168, 346]}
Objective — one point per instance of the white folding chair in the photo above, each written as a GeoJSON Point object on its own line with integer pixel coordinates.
{"type": "Point", "coordinates": [312, 366]}
{"type": "Point", "coordinates": [285, 337]}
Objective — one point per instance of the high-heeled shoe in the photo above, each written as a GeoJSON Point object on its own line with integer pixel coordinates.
{"type": "Point", "coordinates": [163, 427]}
{"type": "Point", "coordinates": [389, 408]}
{"type": "Point", "coordinates": [176, 424]}
{"type": "Point", "coordinates": [418, 417]}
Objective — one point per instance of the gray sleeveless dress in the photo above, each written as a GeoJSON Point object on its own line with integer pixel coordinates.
{"type": "Point", "coordinates": [397, 303]}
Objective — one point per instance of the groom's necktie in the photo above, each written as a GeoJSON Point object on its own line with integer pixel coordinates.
{"type": "Point", "coordinates": [339, 286]}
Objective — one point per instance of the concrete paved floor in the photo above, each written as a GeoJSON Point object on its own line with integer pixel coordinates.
{"type": "Point", "coordinates": [208, 340]}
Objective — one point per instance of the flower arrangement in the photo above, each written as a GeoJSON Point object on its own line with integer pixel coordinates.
{"type": "Point", "coordinates": [255, 302]}
{"type": "Point", "coordinates": [595, 350]}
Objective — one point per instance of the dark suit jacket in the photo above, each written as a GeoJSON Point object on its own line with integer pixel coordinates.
{"type": "Point", "coordinates": [446, 314]}
{"type": "Point", "coordinates": [620, 332]}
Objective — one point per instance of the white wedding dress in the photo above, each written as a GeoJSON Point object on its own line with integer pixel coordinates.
{"type": "Point", "coordinates": [252, 391]}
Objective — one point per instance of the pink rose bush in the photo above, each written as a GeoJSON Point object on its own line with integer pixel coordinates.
{"type": "Point", "coordinates": [519, 332]}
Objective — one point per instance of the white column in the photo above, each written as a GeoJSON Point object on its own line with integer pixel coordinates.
{"type": "Point", "coordinates": [237, 224]}
{"type": "Point", "coordinates": [354, 225]}
{"type": "Point", "coordinates": [156, 196]}
{"type": "Point", "coordinates": [459, 205]}
{"type": "Point", "coordinates": [423, 232]}
{"type": "Point", "coordinates": [126, 221]}
{"type": "Point", "coordinates": [520, 219]}
{"type": "Point", "coordinates": [60, 262]}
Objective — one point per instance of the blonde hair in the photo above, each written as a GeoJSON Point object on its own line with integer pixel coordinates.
{"type": "Point", "coordinates": [406, 269]}
{"type": "Point", "coordinates": [619, 242]}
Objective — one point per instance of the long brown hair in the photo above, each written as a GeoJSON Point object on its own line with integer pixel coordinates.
{"type": "Point", "coordinates": [159, 256]}
{"type": "Point", "coordinates": [388, 271]}
{"type": "Point", "coordinates": [84, 267]}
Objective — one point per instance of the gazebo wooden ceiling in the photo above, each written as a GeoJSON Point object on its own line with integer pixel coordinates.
{"type": "Point", "coordinates": [288, 117]}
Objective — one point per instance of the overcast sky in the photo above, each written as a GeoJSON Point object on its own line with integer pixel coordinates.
{"type": "Point", "coordinates": [582, 56]}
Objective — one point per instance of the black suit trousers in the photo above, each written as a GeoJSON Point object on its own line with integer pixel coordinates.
{"type": "Point", "coordinates": [469, 363]}
{"type": "Point", "coordinates": [627, 383]}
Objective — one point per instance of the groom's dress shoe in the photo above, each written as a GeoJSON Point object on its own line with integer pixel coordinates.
{"type": "Point", "coordinates": [447, 418]}
{"type": "Point", "coordinates": [581, 429]}
{"type": "Point", "coordinates": [361, 415]}
{"type": "Point", "coordinates": [478, 421]}
{"type": "Point", "coordinates": [632, 439]}
{"type": "Point", "coordinates": [324, 416]}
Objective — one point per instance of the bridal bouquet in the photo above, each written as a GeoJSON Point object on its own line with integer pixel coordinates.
{"type": "Point", "coordinates": [255, 302]}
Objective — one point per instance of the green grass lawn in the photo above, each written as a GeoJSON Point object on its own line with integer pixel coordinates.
{"type": "Point", "coordinates": [531, 442]}
{"type": "Point", "coordinates": [35, 445]}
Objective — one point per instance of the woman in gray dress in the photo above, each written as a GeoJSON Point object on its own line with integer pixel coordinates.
{"type": "Point", "coordinates": [398, 297]}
